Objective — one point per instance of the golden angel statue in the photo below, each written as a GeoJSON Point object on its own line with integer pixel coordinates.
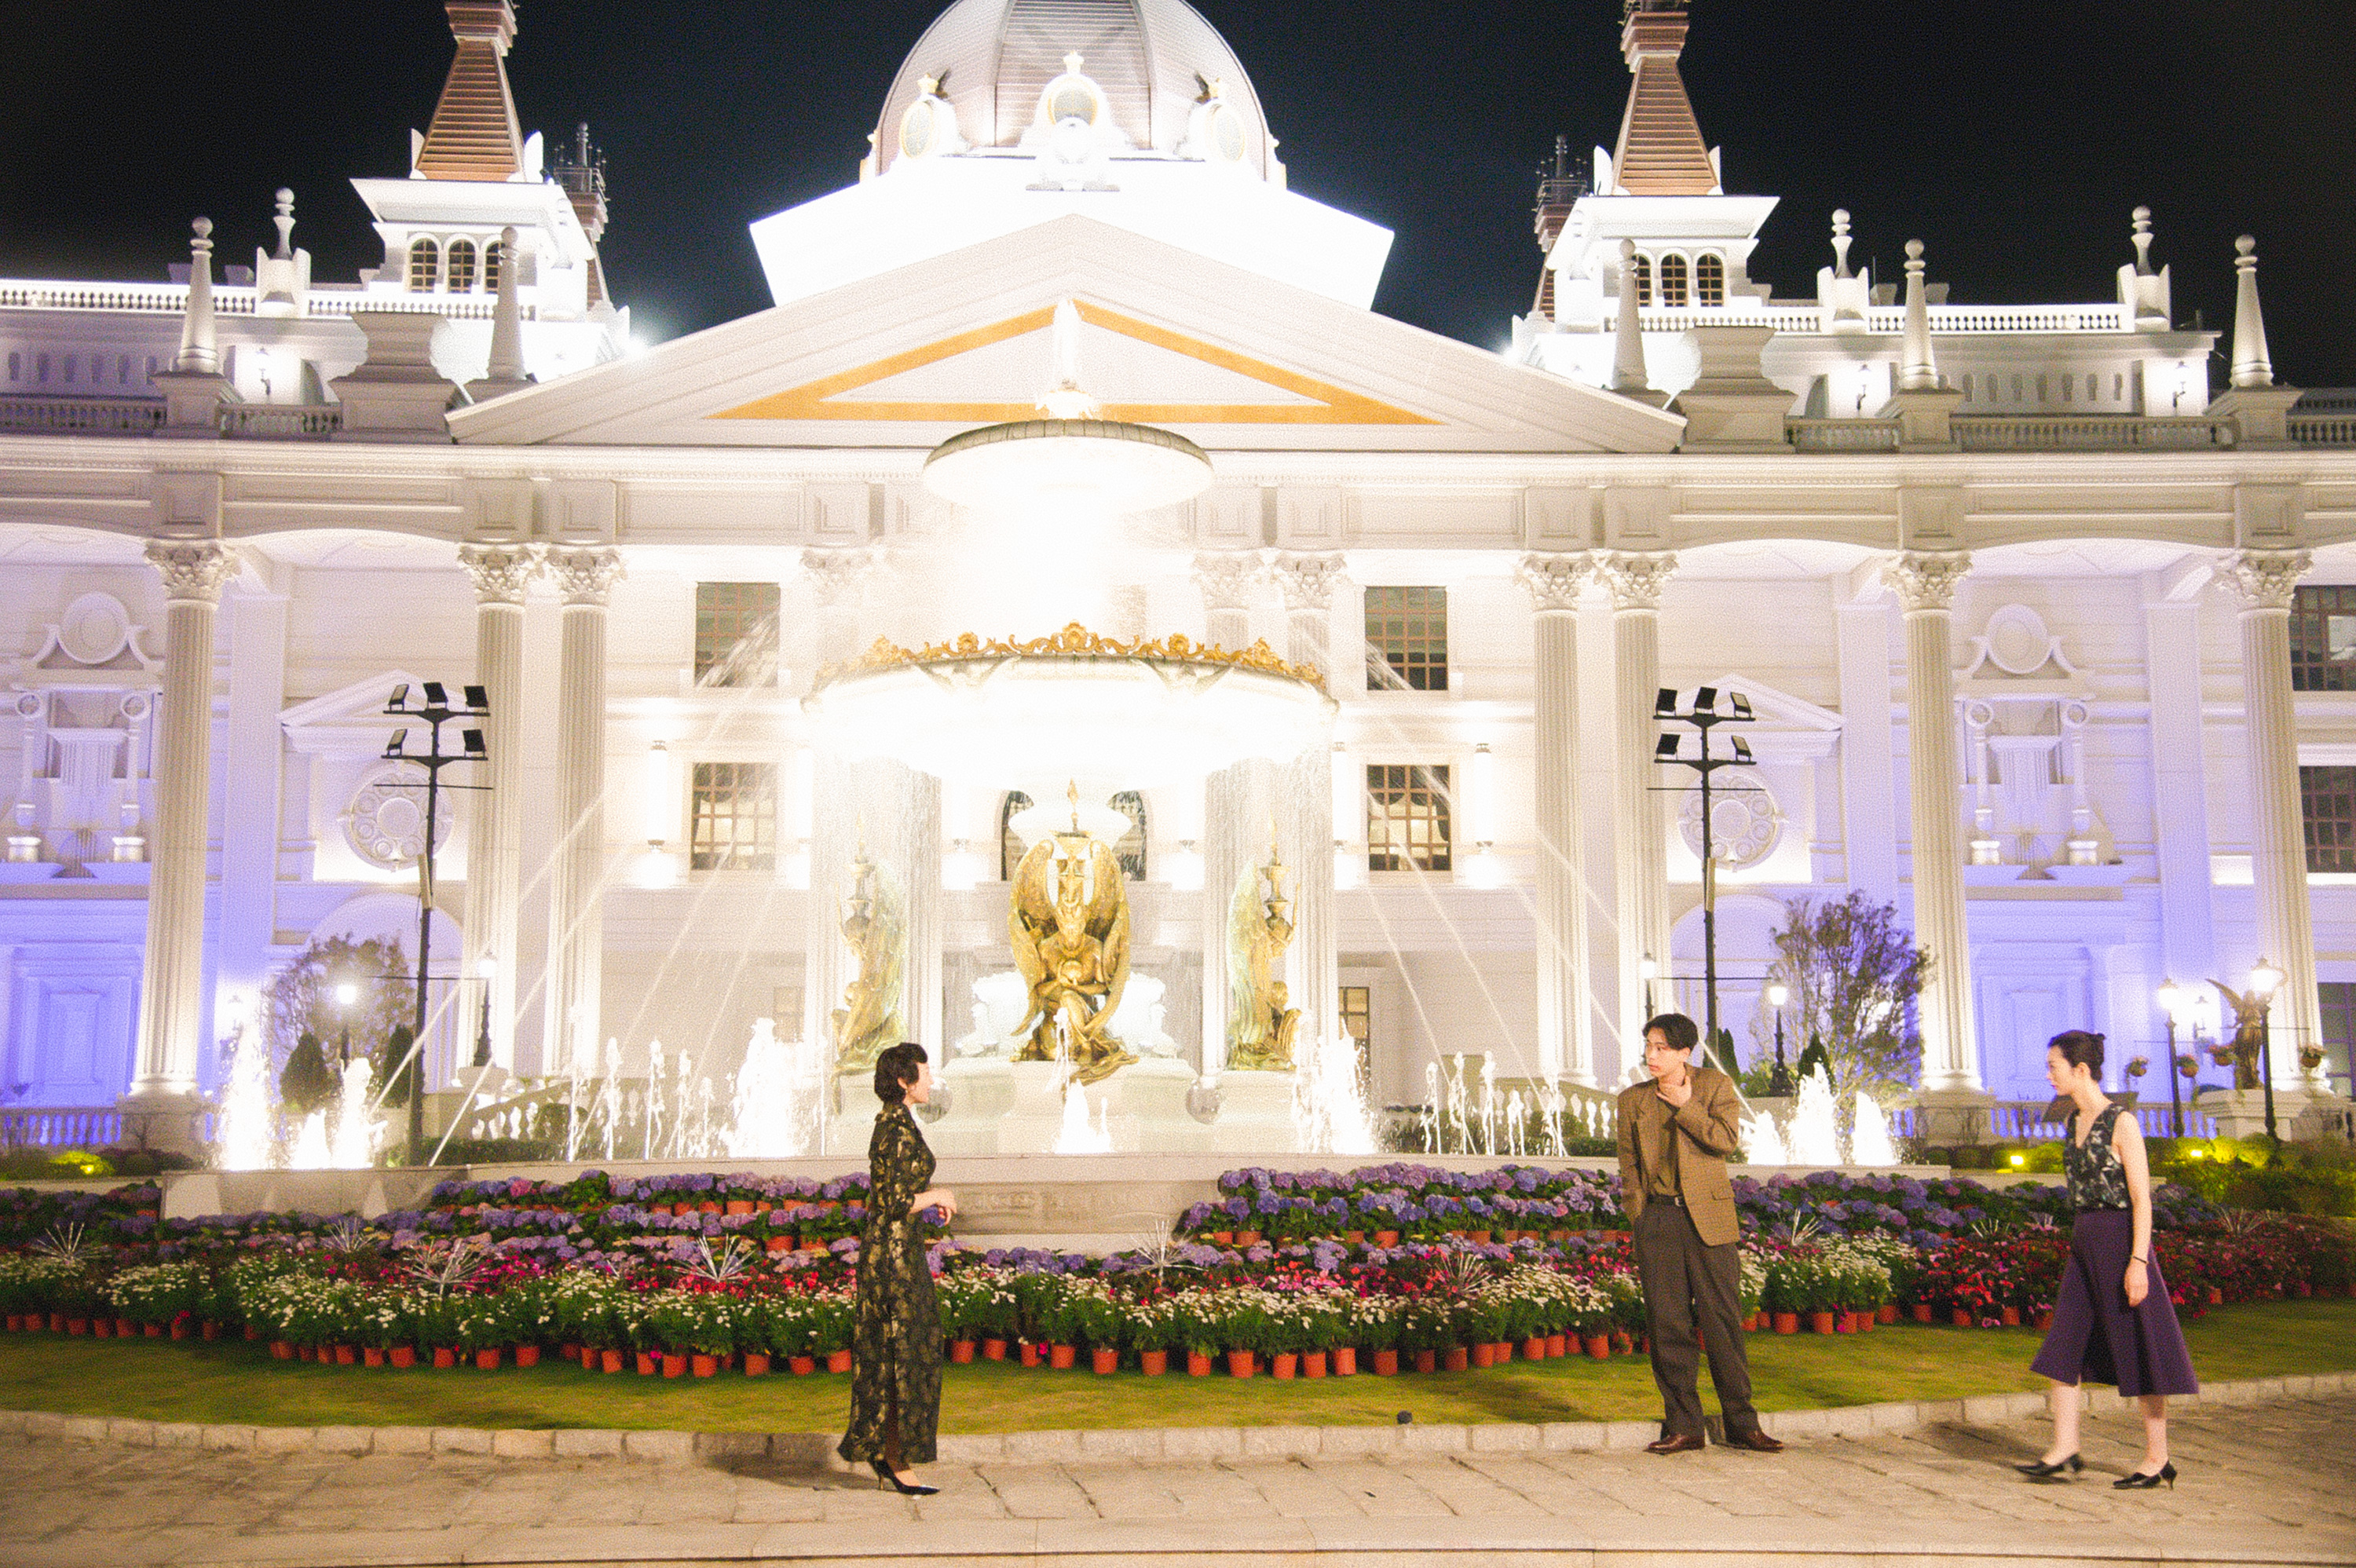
{"type": "Point", "coordinates": [1069, 926]}
{"type": "Point", "coordinates": [1260, 1038]}
{"type": "Point", "coordinates": [869, 1019]}
{"type": "Point", "coordinates": [2249, 1030]}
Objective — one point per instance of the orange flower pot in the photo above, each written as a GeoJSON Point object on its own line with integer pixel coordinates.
{"type": "Point", "coordinates": [607, 1361]}
{"type": "Point", "coordinates": [103, 1328]}
{"type": "Point", "coordinates": [1846, 1323]}
{"type": "Point", "coordinates": [1030, 1355]}
{"type": "Point", "coordinates": [126, 1329]}
{"type": "Point", "coordinates": [1787, 1323]}
{"type": "Point", "coordinates": [1346, 1362]}
{"type": "Point", "coordinates": [1386, 1363]}
{"type": "Point", "coordinates": [1866, 1320]}
{"type": "Point", "coordinates": [1484, 1357]}
{"type": "Point", "coordinates": [648, 1364]}
{"type": "Point", "coordinates": [1533, 1348]}
{"type": "Point", "coordinates": [784, 1244]}
{"type": "Point", "coordinates": [527, 1355]}
{"type": "Point", "coordinates": [740, 1206]}
{"type": "Point", "coordinates": [280, 1351]}
{"type": "Point", "coordinates": [756, 1365]}
{"type": "Point", "coordinates": [1104, 1362]}
{"type": "Point", "coordinates": [2044, 1321]}
{"type": "Point", "coordinates": [487, 1360]}
{"type": "Point", "coordinates": [673, 1366]}
{"type": "Point", "coordinates": [402, 1356]}
{"type": "Point", "coordinates": [1198, 1366]}
{"type": "Point", "coordinates": [837, 1360]}
{"type": "Point", "coordinates": [1386, 1238]}
{"type": "Point", "coordinates": [1240, 1363]}
{"type": "Point", "coordinates": [709, 1206]}
{"type": "Point", "coordinates": [346, 1356]}
{"type": "Point", "coordinates": [1824, 1322]}
{"type": "Point", "coordinates": [1224, 1238]}
{"type": "Point", "coordinates": [704, 1366]}
{"type": "Point", "coordinates": [961, 1352]}
{"type": "Point", "coordinates": [2012, 1316]}
{"type": "Point", "coordinates": [1887, 1313]}
{"type": "Point", "coordinates": [1285, 1365]}
{"type": "Point", "coordinates": [1313, 1364]}
{"type": "Point", "coordinates": [1557, 1345]}
{"type": "Point", "coordinates": [993, 1349]}
{"type": "Point", "coordinates": [1425, 1360]}
{"type": "Point", "coordinates": [1153, 1363]}
{"type": "Point", "coordinates": [1247, 1238]}
{"type": "Point", "coordinates": [1456, 1358]}
{"type": "Point", "coordinates": [803, 1366]}
{"type": "Point", "coordinates": [1061, 1357]}
{"type": "Point", "coordinates": [1962, 1317]}
{"type": "Point", "coordinates": [1599, 1346]}
{"type": "Point", "coordinates": [307, 1352]}
{"type": "Point", "coordinates": [1354, 1238]}
{"type": "Point", "coordinates": [445, 1358]}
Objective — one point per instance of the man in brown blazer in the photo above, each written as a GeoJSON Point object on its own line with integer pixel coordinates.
{"type": "Point", "coordinates": [1675, 1131]}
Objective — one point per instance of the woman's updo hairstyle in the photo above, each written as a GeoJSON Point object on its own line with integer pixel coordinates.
{"type": "Point", "coordinates": [2080, 1047]}
{"type": "Point", "coordinates": [896, 1068]}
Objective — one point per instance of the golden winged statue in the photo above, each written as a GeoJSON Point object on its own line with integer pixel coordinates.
{"type": "Point", "coordinates": [1068, 922]}
{"type": "Point", "coordinates": [1260, 1037]}
{"type": "Point", "coordinates": [869, 1019]}
{"type": "Point", "coordinates": [2249, 1029]}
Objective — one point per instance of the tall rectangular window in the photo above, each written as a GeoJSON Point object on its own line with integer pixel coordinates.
{"type": "Point", "coordinates": [1358, 1016]}
{"type": "Point", "coordinates": [2338, 999]}
{"type": "Point", "coordinates": [2323, 640]}
{"type": "Point", "coordinates": [2327, 798]}
{"type": "Point", "coordinates": [735, 634]}
{"type": "Point", "coordinates": [1408, 818]}
{"type": "Point", "coordinates": [734, 825]}
{"type": "Point", "coordinates": [1406, 639]}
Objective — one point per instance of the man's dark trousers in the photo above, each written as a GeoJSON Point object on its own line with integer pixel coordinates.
{"type": "Point", "coordinates": [1683, 1278]}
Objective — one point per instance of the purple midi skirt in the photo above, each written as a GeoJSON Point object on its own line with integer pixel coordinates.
{"type": "Point", "coordinates": [2096, 1337]}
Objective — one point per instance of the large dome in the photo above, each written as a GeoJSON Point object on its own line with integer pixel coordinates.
{"type": "Point", "coordinates": [1151, 57]}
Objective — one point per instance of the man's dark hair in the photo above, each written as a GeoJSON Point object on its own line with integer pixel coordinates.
{"type": "Point", "coordinates": [1682, 1032]}
{"type": "Point", "coordinates": [896, 1068]}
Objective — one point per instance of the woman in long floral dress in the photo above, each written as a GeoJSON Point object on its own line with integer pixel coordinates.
{"type": "Point", "coordinates": [896, 1341]}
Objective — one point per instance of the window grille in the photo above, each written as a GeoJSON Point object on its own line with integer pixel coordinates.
{"type": "Point", "coordinates": [424, 266]}
{"type": "Point", "coordinates": [734, 825]}
{"type": "Point", "coordinates": [735, 634]}
{"type": "Point", "coordinates": [462, 266]}
{"type": "Point", "coordinates": [1406, 639]}
{"type": "Point", "coordinates": [2327, 799]}
{"type": "Point", "coordinates": [1672, 282]}
{"type": "Point", "coordinates": [1643, 280]}
{"type": "Point", "coordinates": [1709, 281]}
{"type": "Point", "coordinates": [2323, 640]}
{"type": "Point", "coordinates": [2338, 999]}
{"type": "Point", "coordinates": [1358, 1012]}
{"type": "Point", "coordinates": [1010, 843]}
{"type": "Point", "coordinates": [493, 253]}
{"type": "Point", "coordinates": [1408, 818]}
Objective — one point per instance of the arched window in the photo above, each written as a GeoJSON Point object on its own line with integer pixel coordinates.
{"type": "Point", "coordinates": [1643, 280]}
{"type": "Point", "coordinates": [1709, 281]}
{"type": "Point", "coordinates": [462, 266]}
{"type": "Point", "coordinates": [1131, 847]}
{"type": "Point", "coordinates": [1010, 843]}
{"type": "Point", "coordinates": [424, 266]}
{"type": "Point", "coordinates": [493, 254]}
{"type": "Point", "coordinates": [1672, 282]}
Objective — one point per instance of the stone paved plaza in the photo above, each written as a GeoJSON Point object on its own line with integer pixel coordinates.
{"type": "Point", "coordinates": [2265, 1483]}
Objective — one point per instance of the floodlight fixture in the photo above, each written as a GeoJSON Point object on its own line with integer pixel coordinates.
{"type": "Point", "coordinates": [399, 699]}
{"type": "Point", "coordinates": [1665, 750]}
{"type": "Point", "coordinates": [478, 697]}
{"type": "Point", "coordinates": [1741, 706]}
{"type": "Point", "coordinates": [1743, 751]}
{"type": "Point", "coordinates": [1704, 699]}
{"type": "Point", "coordinates": [1664, 704]}
{"type": "Point", "coordinates": [436, 695]}
{"type": "Point", "coordinates": [475, 743]}
{"type": "Point", "coordinates": [392, 748]}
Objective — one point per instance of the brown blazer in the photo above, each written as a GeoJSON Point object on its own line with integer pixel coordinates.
{"type": "Point", "coordinates": [1710, 1128]}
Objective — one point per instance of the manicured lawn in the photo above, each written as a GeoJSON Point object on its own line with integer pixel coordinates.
{"type": "Point", "coordinates": [238, 1383]}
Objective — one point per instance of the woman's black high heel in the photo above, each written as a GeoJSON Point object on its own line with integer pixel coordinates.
{"type": "Point", "coordinates": [887, 1479]}
{"type": "Point", "coordinates": [2042, 1470]}
{"type": "Point", "coordinates": [2141, 1482]}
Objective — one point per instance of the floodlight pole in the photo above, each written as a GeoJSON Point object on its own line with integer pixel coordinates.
{"type": "Point", "coordinates": [1704, 716]}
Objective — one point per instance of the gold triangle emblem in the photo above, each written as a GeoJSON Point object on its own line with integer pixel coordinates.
{"type": "Point", "coordinates": [825, 399]}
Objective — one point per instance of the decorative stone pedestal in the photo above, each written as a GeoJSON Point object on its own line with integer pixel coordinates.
{"type": "Point", "coordinates": [981, 1090]}
{"type": "Point", "coordinates": [1946, 1117]}
{"type": "Point", "coordinates": [853, 1122]}
{"type": "Point", "coordinates": [1153, 1104]}
{"type": "Point", "coordinates": [1254, 1113]}
{"type": "Point", "coordinates": [1036, 1115]}
{"type": "Point", "coordinates": [164, 1123]}
{"type": "Point", "coordinates": [2299, 1110]}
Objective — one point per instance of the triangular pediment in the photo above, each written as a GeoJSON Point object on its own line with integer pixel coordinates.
{"type": "Point", "coordinates": [1236, 360]}
{"type": "Point", "coordinates": [348, 719]}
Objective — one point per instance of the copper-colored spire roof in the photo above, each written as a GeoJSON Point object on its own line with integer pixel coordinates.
{"type": "Point", "coordinates": [1661, 151]}
{"type": "Point", "coordinates": [475, 134]}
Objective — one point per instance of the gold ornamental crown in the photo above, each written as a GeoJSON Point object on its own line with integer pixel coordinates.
{"type": "Point", "coordinates": [1075, 641]}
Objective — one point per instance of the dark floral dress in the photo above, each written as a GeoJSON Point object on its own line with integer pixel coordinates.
{"type": "Point", "coordinates": [895, 1340]}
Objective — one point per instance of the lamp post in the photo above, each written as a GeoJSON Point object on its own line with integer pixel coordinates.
{"type": "Point", "coordinates": [437, 712]}
{"type": "Point", "coordinates": [486, 967]}
{"type": "Point", "coordinates": [2264, 980]}
{"type": "Point", "coordinates": [2170, 999]}
{"type": "Point", "coordinates": [1704, 716]}
{"type": "Point", "coordinates": [1779, 1082]}
{"type": "Point", "coordinates": [346, 995]}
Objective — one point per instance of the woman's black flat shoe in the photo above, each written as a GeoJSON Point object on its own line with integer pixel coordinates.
{"type": "Point", "coordinates": [2142, 1482]}
{"type": "Point", "coordinates": [884, 1478]}
{"type": "Point", "coordinates": [2042, 1470]}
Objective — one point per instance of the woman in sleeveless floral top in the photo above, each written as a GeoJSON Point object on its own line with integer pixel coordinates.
{"type": "Point", "coordinates": [895, 1340]}
{"type": "Point", "coordinates": [2112, 1321]}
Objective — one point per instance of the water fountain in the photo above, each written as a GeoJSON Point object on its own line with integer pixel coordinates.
{"type": "Point", "coordinates": [1868, 1139]}
{"type": "Point", "coordinates": [1763, 1142]}
{"type": "Point", "coordinates": [1814, 1136]}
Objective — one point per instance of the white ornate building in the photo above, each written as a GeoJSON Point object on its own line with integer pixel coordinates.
{"type": "Point", "coordinates": [2045, 638]}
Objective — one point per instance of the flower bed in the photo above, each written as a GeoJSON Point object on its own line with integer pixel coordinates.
{"type": "Point", "coordinates": [1389, 1268]}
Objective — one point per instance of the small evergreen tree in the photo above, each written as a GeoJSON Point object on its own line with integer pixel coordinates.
{"type": "Point", "coordinates": [308, 1083]}
{"type": "Point", "coordinates": [395, 1067]}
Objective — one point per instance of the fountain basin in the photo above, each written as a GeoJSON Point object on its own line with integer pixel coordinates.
{"type": "Point", "coordinates": [1103, 467]}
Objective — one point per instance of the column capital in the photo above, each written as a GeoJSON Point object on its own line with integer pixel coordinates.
{"type": "Point", "coordinates": [1227, 579]}
{"type": "Point", "coordinates": [193, 570]}
{"type": "Point", "coordinates": [838, 575]}
{"type": "Point", "coordinates": [1926, 579]}
{"type": "Point", "coordinates": [1635, 577]}
{"type": "Point", "coordinates": [2267, 579]}
{"type": "Point", "coordinates": [585, 575]}
{"type": "Point", "coordinates": [502, 573]}
{"type": "Point", "coordinates": [1554, 581]}
{"type": "Point", "coordinates": [1307, 581]}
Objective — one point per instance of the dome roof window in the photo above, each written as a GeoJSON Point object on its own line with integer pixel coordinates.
{"type": "Point", "coordinates": [928, 128]}
{"type": "Point", "coordinates": [1217, 131]}
{"type": "Point", "coordinates": [1074, 133]}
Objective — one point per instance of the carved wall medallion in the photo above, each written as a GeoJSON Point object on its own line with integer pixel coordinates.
{"type": "Point", "coordinates": [385, 824]}
{"type": "Point", "coordinates": [1745, 824]}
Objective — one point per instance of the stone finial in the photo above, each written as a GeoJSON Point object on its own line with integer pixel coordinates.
{"type": "Point", "coordinates": [505, 371]}
{"type": "Point", "coordinates": [1628, 345]}
{"type": "Point", "coordinates": [1918, 372]}
{"type": "Point", "coordinates": [198, 352]}
{"type": "Point", "coordinates": [2142, 242]}
{"type": "Point", "coordinates": [2252, 366]}
{"type": "Point", "coordinates": [1841, 242]}
{"type": "Point", "coordinates": [285, 221]}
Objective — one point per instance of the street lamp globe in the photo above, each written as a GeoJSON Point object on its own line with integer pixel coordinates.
{"type": "Point", "coordinates": [2171, 997]}
{"type": "Point", "coordinates": [2265, 978]}
{"type": "Point", "coordinates": [1778, 993]}
{"type": "Point", "coordinates": [347, 994]}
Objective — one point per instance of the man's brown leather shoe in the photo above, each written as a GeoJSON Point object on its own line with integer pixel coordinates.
{"type": "Point", "coordinates": [1758, 1442]}
{"type": "Point", "coordinates": [1681, 1443]}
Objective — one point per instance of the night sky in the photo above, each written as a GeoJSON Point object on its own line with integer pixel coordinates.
{"type": "Point", "coordinates": [2013, 138]}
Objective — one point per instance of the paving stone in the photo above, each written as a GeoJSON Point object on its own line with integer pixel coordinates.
{"type": "Point", "coordinates": [523, 1443]}
{"type": "Point", "coordinates": [461, 1440]}
{"type": "Point", "coordinates": [1263, 1442]}
{"type": "Point", "coordinates": [402, 1440]}
{"type": "Point", "coordinates": [587, 1443]}
{"type": "Point", "coordinates": [676, 1447]}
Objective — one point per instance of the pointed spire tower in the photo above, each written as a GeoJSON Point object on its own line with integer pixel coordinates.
{"type": "Point", "coordinates": [475, 134]}
{"type": "Point", "coordinates": [1661, 151]}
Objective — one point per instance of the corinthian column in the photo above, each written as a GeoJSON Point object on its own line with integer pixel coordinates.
{"type": "Point", "coordinates": [1566, 1040]}
{"type": "Point", "coordinates": [839, 578]}
{"type": "Point", "coordinates": [501, 575]}
{"type": "Point", "coordinates": [584, 578]}
{"type": "Point", "coordinates": [1307, 582]}
{"type": "Point", "coordinates": [1640, 826]}
{"type": "Point", "coordinates": [2267, 579]}
{"type": "Point", "coordinates": [171, 1000]}
{"type": "Point", "coordinates": [1229, 843]}
{"type": "Point", "coordinates": [1925, 583]}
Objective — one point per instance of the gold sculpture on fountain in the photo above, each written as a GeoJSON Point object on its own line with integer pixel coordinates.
{"type": "Point", "coordinates": [869, 1019]}
{"type": "Point", "coordinates": [1260, 1037]}
{"type": "Point", "coordinates": [1068, 921]}
{"type": "Point", "coordinates": [1075, 641]}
